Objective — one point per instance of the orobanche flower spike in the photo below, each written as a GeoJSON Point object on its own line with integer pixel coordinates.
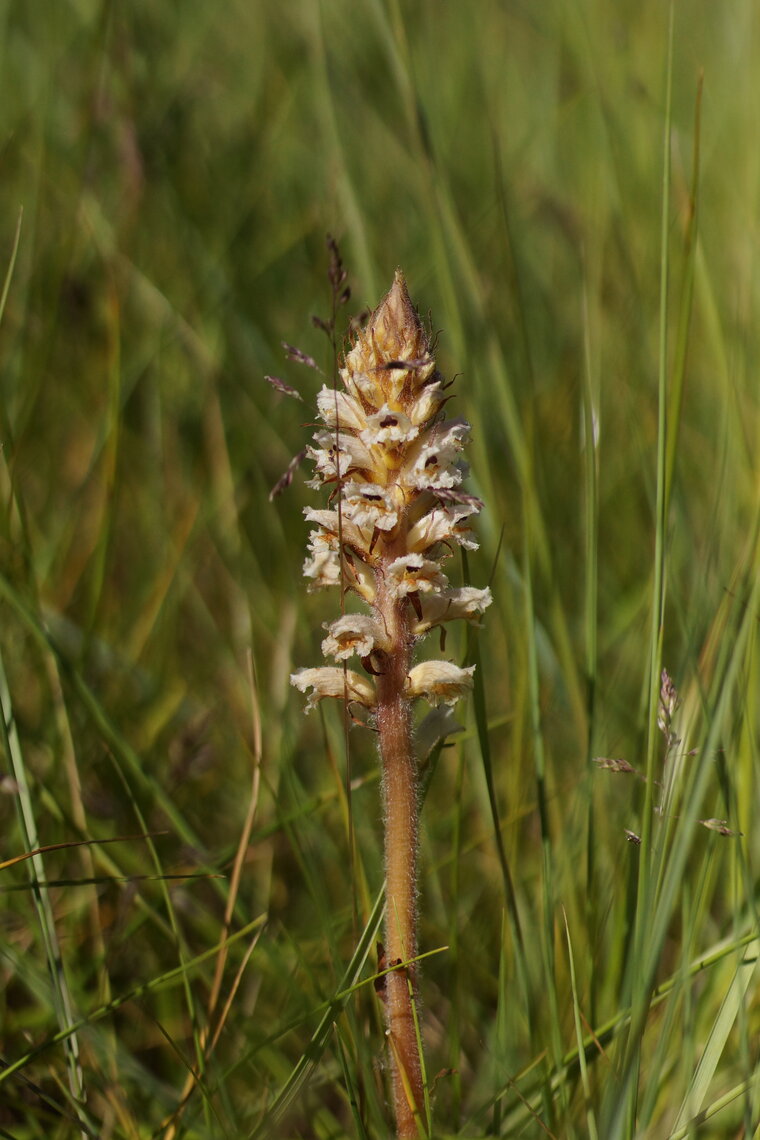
{"type": "Point", "coordinates": [392, 463]}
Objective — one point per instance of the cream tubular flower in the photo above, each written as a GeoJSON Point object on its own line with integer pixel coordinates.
{"type": "Point", "coordinates": [325, 568]}
{"type": "Point", "coordinates": [435, 465]}
{"type": "Point", "coordinates": [339, 410]}
{"type": "Point", "coordinates": [443, 524]}
{"type": "Point", "coordinates": [352, 633]}
{"type": "Point", "coordinates": [413, 574]}
{"type": "Point", "coordinates": [323, 565]}
{"type": "Point", "coordinates": [369, 505]}
{"type": "Point", "coordinates": [440, 682]}
{"type": "Point", "coordinates": [426, 404]}
{"type": "Point", "coordinates": [333, 525]}
{"type": "Point", "coordinates": [330, 681]}
{"type": "Point", "coordinates": [389, 427]}
{"type": "Point", "coordinates": [338, 455]}
{"type": "Point", "coordinates": [467, 603]}
{"type": "Point", "coordinates": [363, 387]}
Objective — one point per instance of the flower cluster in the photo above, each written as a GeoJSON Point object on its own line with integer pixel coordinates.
{"type": "Point", "coordinates": [392, 462]}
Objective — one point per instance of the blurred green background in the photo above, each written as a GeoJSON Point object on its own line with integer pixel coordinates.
{"type": "Point", "coordinates": [178, 167]}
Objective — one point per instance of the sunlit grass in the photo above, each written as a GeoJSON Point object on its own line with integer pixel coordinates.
{"type": "Point", "coordinates": [178, 173]}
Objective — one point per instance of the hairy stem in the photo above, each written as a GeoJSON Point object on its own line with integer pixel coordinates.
{"type": "Point", "coordinates": [401, 802]}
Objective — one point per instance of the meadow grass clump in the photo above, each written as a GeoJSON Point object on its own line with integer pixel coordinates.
{"type": "Point", "coordinates": [392, 463]}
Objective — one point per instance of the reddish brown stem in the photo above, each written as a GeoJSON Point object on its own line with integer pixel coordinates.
{"type": "Point", "coordinates": [401, 802]}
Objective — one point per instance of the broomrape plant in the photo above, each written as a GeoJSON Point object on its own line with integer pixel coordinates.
{"type": "Point", "coordinates": [392, 463]}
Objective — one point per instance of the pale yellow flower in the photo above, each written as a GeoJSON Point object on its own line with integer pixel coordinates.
{"type": "Point", "coordinates": [330, 681]}
{"type": "Point", "coordinates": [466, 602]}
{"type": "Point", "coordinates": [413, 574]}
{"type": "Point", "coordinates": [439, 682]}
{"type": "Point", "coordinates": [352, 633]}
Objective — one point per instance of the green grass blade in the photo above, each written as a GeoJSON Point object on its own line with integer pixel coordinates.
{"type": "Point", "coordinates": [310, 1059]}
{"type": "Point", "coordinates": [590, 1114]}
{"type": "Point", "coordinates": [718, 1037]}
{"type": "Point", "coordinates": [61, 994]}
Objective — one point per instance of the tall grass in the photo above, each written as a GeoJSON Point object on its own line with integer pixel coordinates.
{"type": "Point", "coordinates": [574, 196]}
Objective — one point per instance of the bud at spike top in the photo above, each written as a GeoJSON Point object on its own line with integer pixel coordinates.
{"type": "Point", "coordinates": [392, 463]}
